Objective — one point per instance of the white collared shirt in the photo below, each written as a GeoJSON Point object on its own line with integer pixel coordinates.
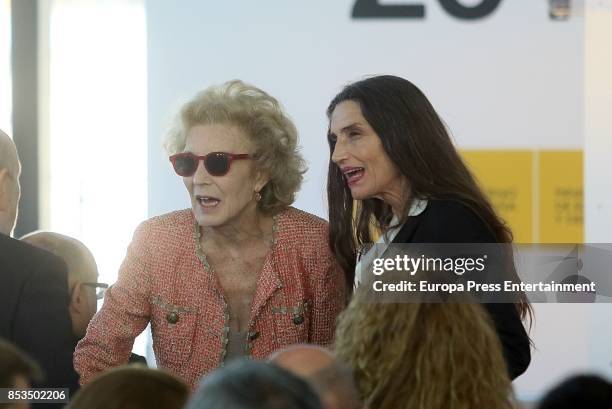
{"type": "Point", "coordinates": [417, 207]}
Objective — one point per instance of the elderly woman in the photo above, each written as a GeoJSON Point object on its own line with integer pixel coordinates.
{"type": "Point", "coordinates": [391, 156]}
{"type": "Point", "coordinates": [241, 273]}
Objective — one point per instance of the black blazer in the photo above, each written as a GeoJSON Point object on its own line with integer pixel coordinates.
{"type": "Point", "coordinates": [34, 313]}
{"type": "Point", "coordinates": [446, 221]}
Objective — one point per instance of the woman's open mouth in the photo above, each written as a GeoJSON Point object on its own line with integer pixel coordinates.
{"type": "Point", "coordinates": [353, 175]}
{"type": "Point", "coordinates": [207, 201]}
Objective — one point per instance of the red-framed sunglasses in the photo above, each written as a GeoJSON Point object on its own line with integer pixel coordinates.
{"type": "Point", "coordinates": [216, 163]}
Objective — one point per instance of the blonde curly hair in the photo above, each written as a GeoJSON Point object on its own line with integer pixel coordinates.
{"type": "Point", "coordinates": [262, 118]}
{"type": "Point", "coordinates": [415, 356]}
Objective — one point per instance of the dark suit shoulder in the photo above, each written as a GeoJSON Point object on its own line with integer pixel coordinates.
{"type": "Point", "coordinates": [447, 221]}
{"type": "Point", "coordinates": [15, 254]}
{"type": "Point", "coordinates": [34, 314]}
{"type": "Point", "coordinates": [25, 272]}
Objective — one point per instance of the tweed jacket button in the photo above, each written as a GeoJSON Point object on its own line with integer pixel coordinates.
{"type": "Point", "coordinates": [253, 335]}
{"type": "Point", "coordinates": [298, 319]}
{"type": "Point", "coordinates": [172, 317]}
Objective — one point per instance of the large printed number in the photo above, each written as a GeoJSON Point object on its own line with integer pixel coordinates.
{"type": "Point", "coordinates": [483, 9]}
{"type": "Point", "coordinates": [372, 9]}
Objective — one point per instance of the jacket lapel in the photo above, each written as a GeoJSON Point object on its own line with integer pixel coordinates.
{"type": "Point", "coordinates": [269, 282]}
{"type": "Point", "coordinates": [406, 233]}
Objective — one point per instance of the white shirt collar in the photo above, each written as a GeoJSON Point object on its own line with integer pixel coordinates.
{"type": "Point", "coordinates": [416, 208]}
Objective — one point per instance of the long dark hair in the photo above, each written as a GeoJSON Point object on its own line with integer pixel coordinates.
{"type": "Point", "coordinates": [417, 142]}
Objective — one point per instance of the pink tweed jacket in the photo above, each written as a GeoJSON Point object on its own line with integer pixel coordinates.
{"type": "Point", "coordinates": [166, 281]}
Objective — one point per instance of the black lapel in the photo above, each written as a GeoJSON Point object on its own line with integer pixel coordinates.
{"type": "Point", "coordinates": [406, 233]}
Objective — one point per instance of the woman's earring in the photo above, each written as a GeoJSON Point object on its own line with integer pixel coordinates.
{"type": "Point", "coordinates": [257, 196]}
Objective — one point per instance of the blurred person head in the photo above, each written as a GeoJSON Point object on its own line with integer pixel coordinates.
{"type": "Point", "coordinates": [132, 387]}
{"type": "Point", "coordinates": [253, 164]}
{"type": "Point", "coordinates": [577, 392]}
{"type": "Point", "coordinates": [331, 379]}
{"type": "Point", "coordinates": [10, 190]}
{"type": "Point", "coordinates": [246, 384]}
{"type": "Point", "coordinates": [388, 147]}
{"type": "Point", "coordinates": [17, 371]}
{"type": "Point", "coordinates": [419, 355]}
{"type": "Point", "coordinates": [82, 274]}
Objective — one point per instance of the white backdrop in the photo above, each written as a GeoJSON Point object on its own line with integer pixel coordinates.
{"type": "Point", "coordinates": [512, 80]}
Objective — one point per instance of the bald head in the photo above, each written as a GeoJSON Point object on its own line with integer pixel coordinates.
{"type": "Point", "coordinates": [303, 360]}
{"type": "Point", "coordinates": [332, 380]}
{"type": "Point", "coordinates": [8, 154]}
{"type": "Point", "coordinates": [82, 275]}
{"type": "Point", "coordinates": [81, 263]}
{"type": "Point", "coordinates": [10, 168]}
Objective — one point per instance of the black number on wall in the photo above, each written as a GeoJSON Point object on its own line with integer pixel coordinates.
{"type": "Point", "coordinates": [371, 9]}
{"type": "Point", "coordinates": [454, 8]}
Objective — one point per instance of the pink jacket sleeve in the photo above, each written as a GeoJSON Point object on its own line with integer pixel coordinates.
{"type": "Point", "coordinates": [124, 315]}
{"type": "Point", "coordinates": [330, 297]}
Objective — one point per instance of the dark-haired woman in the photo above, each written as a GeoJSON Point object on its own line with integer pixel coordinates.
{"type": "Point", "coordinates": [391, 152]}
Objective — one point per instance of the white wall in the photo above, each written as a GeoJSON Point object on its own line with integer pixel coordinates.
{"type": "Point", "coordinates": [512, 80]}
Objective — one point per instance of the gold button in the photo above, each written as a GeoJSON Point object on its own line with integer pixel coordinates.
{"type": "Point", "coordinates": [172, 317]}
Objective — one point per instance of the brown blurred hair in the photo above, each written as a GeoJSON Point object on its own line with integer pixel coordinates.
{"type": "Point", "coordinates": [14, 363]}
{"type": "Point", "coordinates": [133, 387]}
{"type": "Point", "coordinates": [413, 356]}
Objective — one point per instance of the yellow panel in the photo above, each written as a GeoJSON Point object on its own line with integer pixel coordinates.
{"type": "Point", "coordinates": [561, 199]}
{"type": "Point", "coordinates": [506, 176]}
